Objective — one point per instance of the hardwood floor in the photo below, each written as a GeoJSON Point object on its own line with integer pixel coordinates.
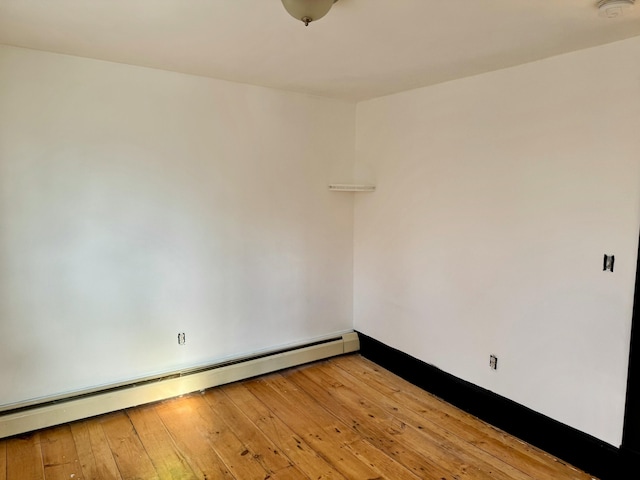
{"type": "Point", "coordinates": [344, 418]}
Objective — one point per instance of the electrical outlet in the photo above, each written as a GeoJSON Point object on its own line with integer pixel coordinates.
{"type": "Point", "coordinates": [181, 338]}
{"type": "Point", "coordinates": [493, 362]}
{"type": "Point", "coordinates": [608, 262]}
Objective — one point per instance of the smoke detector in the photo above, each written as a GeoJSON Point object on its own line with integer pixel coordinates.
{"type": "Point", "coordinates": [614, 8]}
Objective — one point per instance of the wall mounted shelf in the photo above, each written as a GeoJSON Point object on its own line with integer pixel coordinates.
{"type": "Point", "coordinates": [349, 187]}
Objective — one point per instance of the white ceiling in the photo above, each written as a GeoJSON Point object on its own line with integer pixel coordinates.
{"type": "Point", "coordinates": [361, 49]}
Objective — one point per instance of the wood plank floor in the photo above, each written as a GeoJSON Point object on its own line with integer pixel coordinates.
{"type": "Point", "coordinates": [344, 418]}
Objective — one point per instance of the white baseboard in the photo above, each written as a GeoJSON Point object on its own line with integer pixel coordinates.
{"type": "Point", "coordinates": [109, 400]}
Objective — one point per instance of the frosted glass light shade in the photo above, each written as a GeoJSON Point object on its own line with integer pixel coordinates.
{"type": "Point", "coordinates": [308, 11]}
{"type": "Point", "coordinates": [614, 8]}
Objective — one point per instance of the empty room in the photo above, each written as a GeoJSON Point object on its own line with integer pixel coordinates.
{"type": "Point", "coordinates": [304, 239]}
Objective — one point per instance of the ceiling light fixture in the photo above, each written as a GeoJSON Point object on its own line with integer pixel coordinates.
{"type": "Point", "coordinates": [614, 8]}
{"type": "Point", "coordinates": [308, 11]}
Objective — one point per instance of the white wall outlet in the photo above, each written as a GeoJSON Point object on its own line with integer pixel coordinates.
{"type": "Point", "coordinates": [493, 362]}
{"type": "Point", "coordinates": [181, 338]}
{"type": "Point", "coordinates": [608, 262]}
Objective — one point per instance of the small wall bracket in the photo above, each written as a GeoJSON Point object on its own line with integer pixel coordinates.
{"type": "Point", "coordinates": [343, 187]}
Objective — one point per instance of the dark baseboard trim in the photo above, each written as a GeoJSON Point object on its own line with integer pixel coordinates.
{"type": "Point", "coordinates": [629, 461]}
{"type": "Point", "coordinates": [573, 446]}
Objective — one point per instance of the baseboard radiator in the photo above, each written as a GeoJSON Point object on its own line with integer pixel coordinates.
{"type": "Point", "coordinates": [32, 417]}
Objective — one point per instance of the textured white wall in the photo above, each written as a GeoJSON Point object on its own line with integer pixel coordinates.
{"type": "Point", "coordinates": [137, 203]}
{"type": "Point", "coordinates": [497, 197]}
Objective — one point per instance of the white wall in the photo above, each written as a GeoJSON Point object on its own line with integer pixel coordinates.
{"type": "Point", "coordinates": [136, 203]}
{"type": "Point", "coordinates": [497, 197]}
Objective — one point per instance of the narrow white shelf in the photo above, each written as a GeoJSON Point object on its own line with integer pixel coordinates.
{"type": "Point", "coordinates": [348, 187]}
